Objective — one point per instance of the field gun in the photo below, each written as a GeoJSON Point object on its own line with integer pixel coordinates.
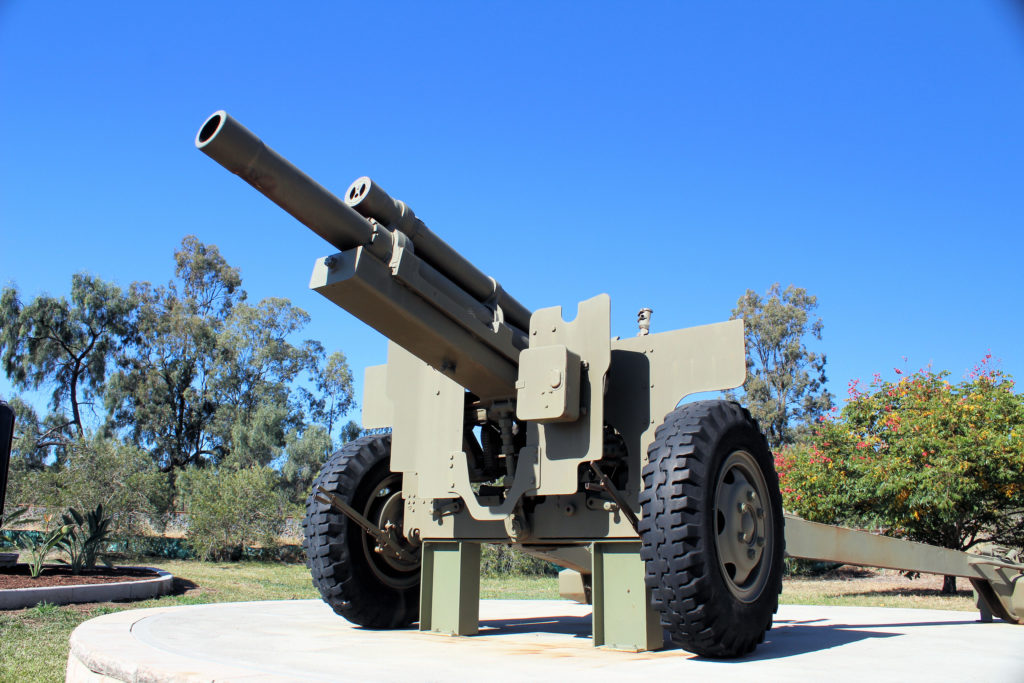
{"type": "Point", "coordinates": [517, 427]}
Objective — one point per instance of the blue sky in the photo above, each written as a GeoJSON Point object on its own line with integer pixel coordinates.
{"type": "Point", "coordinates": [672, 155]}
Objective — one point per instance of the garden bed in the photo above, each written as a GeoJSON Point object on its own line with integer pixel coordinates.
{"type": "Point", "coordinates": [58, 586]}
{"type": "Point", "coordinates": [58, 575]}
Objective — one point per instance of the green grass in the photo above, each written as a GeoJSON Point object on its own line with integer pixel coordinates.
{"type": "Point", "coordinates": [34, 642]}
{"type": "Point", "coordinates": [519, 588]}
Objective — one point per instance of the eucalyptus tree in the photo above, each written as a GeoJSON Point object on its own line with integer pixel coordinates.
{"type": "Point", "coordinates": [785, 387]}
{"type": "Point", "coordinates": [64, 346]}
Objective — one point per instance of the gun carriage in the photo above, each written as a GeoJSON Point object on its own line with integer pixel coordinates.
{"type": "Point", "coordinates": [517, 427]}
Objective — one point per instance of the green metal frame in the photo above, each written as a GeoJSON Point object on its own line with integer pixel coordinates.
{"type": "Point", "coordinates": [450, 588]}
{"type": "Point", "coordinates": [623, 618]}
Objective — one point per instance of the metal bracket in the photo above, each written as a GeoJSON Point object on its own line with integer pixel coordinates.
{"type": "Point", "coordinates": [386, 538]}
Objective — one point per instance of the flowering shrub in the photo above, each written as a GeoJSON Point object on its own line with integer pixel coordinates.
{"type": "Point", "coordinates": [919, 457]}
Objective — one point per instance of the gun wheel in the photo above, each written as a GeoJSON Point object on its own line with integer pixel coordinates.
{"type": "Point", "coordinates": [366, 586]}
{"type": "Point", "coordinates": [712, 529]}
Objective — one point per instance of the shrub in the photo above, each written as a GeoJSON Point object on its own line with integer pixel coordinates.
{"type": "Point", "coordinates": [503, 560]}
{"type": "Point", "coordinates": [230, 509]}
{"type": "Point", "coordinates": [99, 471]}
{"type": "Point", "coordinates": [921, 458]}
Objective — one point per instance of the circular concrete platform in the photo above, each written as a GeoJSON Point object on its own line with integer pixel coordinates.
{"type": "Point", "coordinates": [302, 640]}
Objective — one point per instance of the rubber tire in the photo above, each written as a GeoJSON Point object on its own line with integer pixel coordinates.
{"type": "Point", "coordinates": [334, 547]}
{"type": "Point", "coordinates": [677, 530]}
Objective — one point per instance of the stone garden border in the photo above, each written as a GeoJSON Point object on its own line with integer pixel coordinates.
{"type": "Point", "coordinates": [17, 598]}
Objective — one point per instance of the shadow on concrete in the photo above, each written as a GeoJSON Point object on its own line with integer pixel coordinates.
{"type": "Point", "coordinates": [578, 627]}
{"type": "Point", "coordinates": [790, 637]}
{"type": "Point", "coordinates": [787, 638]}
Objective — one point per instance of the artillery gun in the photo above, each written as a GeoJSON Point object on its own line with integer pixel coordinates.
{"type": "Point", "coordinates": [516, 427]}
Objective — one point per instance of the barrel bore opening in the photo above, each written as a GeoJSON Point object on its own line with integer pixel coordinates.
{"type": "Point", "coordinates": [356, 192]}
{"type": "Point", "coordinates": [210, 128]}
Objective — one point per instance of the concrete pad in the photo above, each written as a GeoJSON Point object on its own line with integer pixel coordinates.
{"type": "Point", "coordinates": [528, 639]}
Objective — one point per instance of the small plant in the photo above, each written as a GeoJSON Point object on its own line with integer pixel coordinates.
{"type": "Point", "coordinates": [44, 608]}
{"type": "Point", "coordinates": [39, 548]}
{"type": "Point", "coordinates": [86, 538]}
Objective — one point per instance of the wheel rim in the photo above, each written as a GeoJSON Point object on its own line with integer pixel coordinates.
{"type": "Point", "coordinates": [384, 506]}
{"type": "Point", "coordinates": [743, 525]}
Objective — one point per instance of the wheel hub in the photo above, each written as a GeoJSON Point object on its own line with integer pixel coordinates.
{"type": "Point", "coordinates": [385, 509]}
{"type": "Point", "coordinates": [741, 525]}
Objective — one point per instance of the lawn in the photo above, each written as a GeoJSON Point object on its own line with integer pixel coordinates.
{"type": "Point", "coordinates": [34, 642]}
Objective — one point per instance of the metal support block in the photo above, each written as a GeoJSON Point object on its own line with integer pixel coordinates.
{"type": "Point", "coordinates": [450, 588]}
{"type": "Point", "coordinates": [623, 616]}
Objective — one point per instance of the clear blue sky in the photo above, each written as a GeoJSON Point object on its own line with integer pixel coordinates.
{"type": "Point", "coordinates": [670, 154]}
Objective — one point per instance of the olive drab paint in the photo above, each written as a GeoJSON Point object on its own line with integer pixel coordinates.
{"type": "Point", "coordinates": [516, 427]}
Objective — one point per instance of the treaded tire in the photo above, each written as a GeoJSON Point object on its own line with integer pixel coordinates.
{"type": "Point", "coordinates": [357, 583]}
{"type": "Point", "coordinates": [704, 450]}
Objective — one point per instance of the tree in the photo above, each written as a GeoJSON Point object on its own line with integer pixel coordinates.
{"type": "Point", "coordinates": [65, 345]}
{"type": "Point", "coordinates": [785, 387]}
{"type": "Point", "coordinates": [253, 379]}
{"type": "Point", "coordinates": [334, 395]}
{"type": "Point", "coordinates": [920, 458]}
{"type": "Point", "coordinates": [34, 439]}
{"type": "Point", "coordinates": [211, 379]}
{"type": "Point", "coordinates": [161, 393]}
{"type": "Point", "coordinates": [307, 452]}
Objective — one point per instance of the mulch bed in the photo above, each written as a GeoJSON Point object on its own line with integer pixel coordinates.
{"type": "Point", "coordinates": [57, 575]}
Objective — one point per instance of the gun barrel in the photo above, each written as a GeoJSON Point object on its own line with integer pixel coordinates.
{"type": "Point", "coordinates": [371, 201]}
{"type": "Point", "coordinates": [344, 224]}
{"type": "Point", "coordinates": [237, 149]}
{"type": "Point", "coordinates": [393, 273]}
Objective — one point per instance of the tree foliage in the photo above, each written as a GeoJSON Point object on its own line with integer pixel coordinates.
{"type": "Point", "coordinates": [64, 345]}
{"type": "Point", "coordinates": [306, 454]}
{"type": "Point", "coordinates": [231, 509]}
{"type": "Point", "coordinates": [192, 377]}
{"type": "Point", "coordinates": [162, 392]}
{"type": "Point", "coordinates": [921, 458]}
{"type": "Point", "coordinates": [99, 471]}
{"type": "Point", "coordinates": [211, 378]}
{"type": "Point", "coordinates": [785, 387]}
{"type": "Point", "coordinates": [334, 397]}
